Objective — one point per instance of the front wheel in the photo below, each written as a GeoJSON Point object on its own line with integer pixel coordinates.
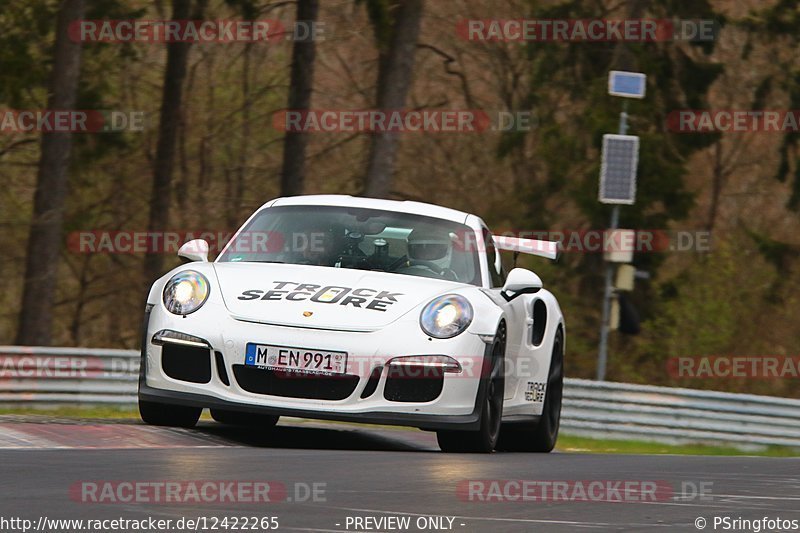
{"type": "Point", "coordinates": [485, 438]}
{"type": "Point", "coordinates": [161, 414]}
{"type": "Point", "coordinates": [541, 436]}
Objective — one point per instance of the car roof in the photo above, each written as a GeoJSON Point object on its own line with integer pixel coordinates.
{"type": "Point", "coordinates": [340, 200]}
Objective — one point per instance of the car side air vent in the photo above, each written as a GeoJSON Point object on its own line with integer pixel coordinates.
{"type": "Point", "coordinates": [539, 322]}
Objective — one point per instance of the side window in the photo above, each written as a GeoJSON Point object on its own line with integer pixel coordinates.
{"type": "Point", "coordinates": [498, 278]}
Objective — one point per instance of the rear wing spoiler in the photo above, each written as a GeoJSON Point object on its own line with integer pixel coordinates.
{"type": "Point", "coordinates": [546, 249]}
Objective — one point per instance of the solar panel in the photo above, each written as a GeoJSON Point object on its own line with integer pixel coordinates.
{"type": "Point", "coordinates": [627, 84]}
{"type": "Point", "coordinates": [618, 169]}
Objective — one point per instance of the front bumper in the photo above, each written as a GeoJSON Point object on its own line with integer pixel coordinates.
{"type": "Point", "coordinates": [455, 407]}
{"type": "Point", "coordinates": [469, 421]}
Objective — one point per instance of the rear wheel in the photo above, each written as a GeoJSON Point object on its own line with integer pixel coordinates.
{"type": "Point", "coordinates": [238, 418]}
{"type": "Point", "coordinates": [541, 436]}
{"type": "Point", "coordinates": [161, 414]}
{"type": "Point", "coordinates": [485, 438]}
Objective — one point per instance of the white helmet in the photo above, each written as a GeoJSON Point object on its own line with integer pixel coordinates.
{"type": "Point", "coordinates": [430, 245]}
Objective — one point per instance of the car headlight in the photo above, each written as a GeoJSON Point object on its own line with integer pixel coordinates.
{"type": "Point", "coordinates": [186, 292]}
{"type": "Point", "coordinates": [446, 316]}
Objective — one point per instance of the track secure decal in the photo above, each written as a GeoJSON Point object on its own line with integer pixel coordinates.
{"type": "Point", "coordinates": [362, 298]}
{"type": "Point", "coordinates": [535, 392]}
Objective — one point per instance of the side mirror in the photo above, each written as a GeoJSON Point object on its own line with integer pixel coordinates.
{"type": "Point", "coordinates": [520, 281]}
{"type": "Point", "coordinates": [196, 250]}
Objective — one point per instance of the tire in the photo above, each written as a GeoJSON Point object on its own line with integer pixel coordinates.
{"type": "Point", "coordinates": [238, 418]}
{"type": "Point", "coordinates": [540, 436]}
{"type": "Point", "coordinates": [485, 438]}
{"type": "Point", "coordinates": [161, 414]}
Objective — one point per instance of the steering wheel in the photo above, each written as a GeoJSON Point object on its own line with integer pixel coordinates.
{"type": "Point", "coordinates": [450, 274]}
{"type": "Point", "coordinates": [427, 264]}
{"type": "Point", "coordinates": [447, 273]}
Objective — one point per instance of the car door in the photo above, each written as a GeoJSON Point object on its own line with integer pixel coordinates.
{"type": "Point", "coordinates": [516, 314]}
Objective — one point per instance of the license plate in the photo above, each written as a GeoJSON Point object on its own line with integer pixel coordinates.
{"type": "Point", "coordinates": [291, 359]}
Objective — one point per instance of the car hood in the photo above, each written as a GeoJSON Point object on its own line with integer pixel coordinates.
{"type": "Point", "coordinates": [322, 297]}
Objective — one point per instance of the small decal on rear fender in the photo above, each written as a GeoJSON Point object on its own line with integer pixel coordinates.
{"type": "Point", "coordinates": [534, 392]}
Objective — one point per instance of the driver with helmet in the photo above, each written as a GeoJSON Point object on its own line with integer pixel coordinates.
{"type": "Point", "coordinates": [432, 249]}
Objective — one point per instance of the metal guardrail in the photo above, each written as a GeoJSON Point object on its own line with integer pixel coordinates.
{"type": "Point", "coordinates": [675, 415]}
{"type": "Point", "coordinates": [46, 377]}
{"type": "Point", "coordinates": [53, 376]}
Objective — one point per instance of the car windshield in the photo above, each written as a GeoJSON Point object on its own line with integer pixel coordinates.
{"type": "Point", "coordinates": [366, 239]}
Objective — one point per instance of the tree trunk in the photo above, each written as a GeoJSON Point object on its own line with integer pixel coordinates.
{"type": "Point", "coordinates": [171, 102]}
{"type": "Point", "coordinates": [394, 80]}
{"type": "Point", "coordinates": [302, 80]}
{"type": "Point", "coordinates": [717, 184]}
{"type": "Point", "coordinates": [234, 209]}
{"type": "Point", "coordinates": [47, 224]}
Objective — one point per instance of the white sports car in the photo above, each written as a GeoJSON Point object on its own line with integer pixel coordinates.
{"type": "Point", "coordinates": [364, 310]}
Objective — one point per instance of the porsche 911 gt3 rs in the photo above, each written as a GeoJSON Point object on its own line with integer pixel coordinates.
{"type": "Point", "coordinates": [356, 309]}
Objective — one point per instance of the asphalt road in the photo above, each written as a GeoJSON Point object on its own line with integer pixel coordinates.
{"type": "Point", "coordinates": [57, 469]}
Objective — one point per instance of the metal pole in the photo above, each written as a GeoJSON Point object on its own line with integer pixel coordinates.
{"type": "Point", "coordinates": [602, 356]}
{"type": "Point", "coordinates": [623, 119]}
{"type": "Point", "coordinates": [608, 292]}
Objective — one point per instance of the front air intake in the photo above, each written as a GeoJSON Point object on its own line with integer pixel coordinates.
{"type": "Point", "coordinates": [186, 363]}
{"type": "Point", "coordinates": [413, 383]}
{"type": "Point", "coordinates": [295, 385]}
